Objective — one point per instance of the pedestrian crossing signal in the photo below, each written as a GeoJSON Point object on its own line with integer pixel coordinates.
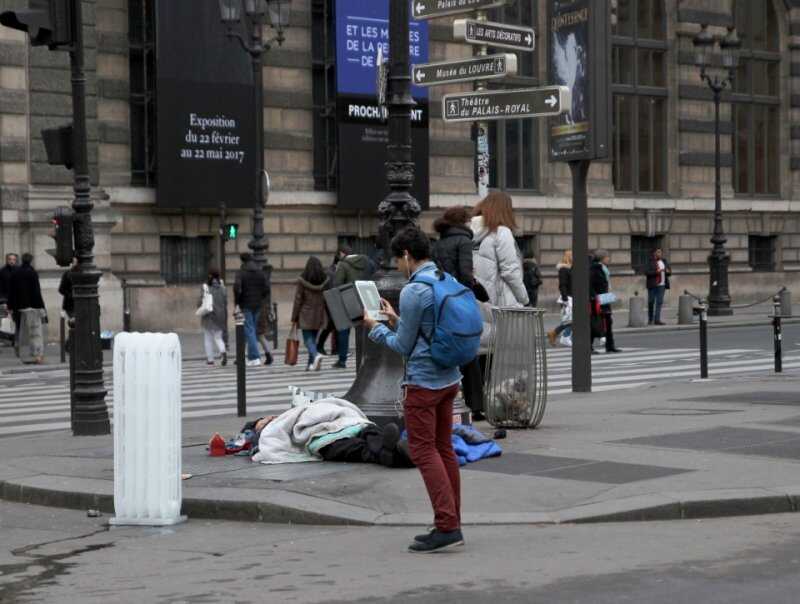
{"type": "Point", "coordinates": [230, 232]}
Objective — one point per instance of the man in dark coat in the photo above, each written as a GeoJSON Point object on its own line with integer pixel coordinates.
{"type": "Point", "coordinates": [65, 289]}
{"type": "Point", "coordinates": [250, 291]}
{"type": "Point", "coordinates": [26, 293]}
{"type": "Point", "coordinates": [453, 251]}
{"type": "Point", "coordinates": [658, 272]}
{"type": "Point", "coordinates": [5, 277]}
{"type": "Point", "coordinates": [532, 278]}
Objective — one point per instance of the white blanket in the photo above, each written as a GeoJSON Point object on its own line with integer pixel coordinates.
{"type": "Point", "coordinates": [286, 438]}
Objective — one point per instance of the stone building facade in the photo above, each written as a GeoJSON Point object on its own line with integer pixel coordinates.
{"type": "Point", "coordinates": [657, 189]}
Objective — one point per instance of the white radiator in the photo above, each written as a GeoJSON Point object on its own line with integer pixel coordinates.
{"type": "Point", "coordinates": [147, 429]}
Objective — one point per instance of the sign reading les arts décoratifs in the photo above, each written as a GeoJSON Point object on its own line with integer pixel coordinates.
{"type": "Point", "coordinates": [468, 70]}
{"type": "Point", "coordinates": [579, 55]}
{"type": "Point", "coordinates": [362, 27]}
{"type": "Point", "coordinates": [505, 104]}
{"type": "Point", "coordinates": [430, 9]}
{"type": "Point", "coordinates": [206, 118]}
{"type": "Point", "coordinates": [493, 34]}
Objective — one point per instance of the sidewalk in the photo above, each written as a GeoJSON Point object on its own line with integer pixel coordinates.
{"type": "Point", "coordinates": [192, 342]}
{"type": "Point", "coordinates": [675, 451]}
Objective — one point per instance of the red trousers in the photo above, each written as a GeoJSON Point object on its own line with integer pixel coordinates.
{"type": "Point", "coordinates": [429, 421]}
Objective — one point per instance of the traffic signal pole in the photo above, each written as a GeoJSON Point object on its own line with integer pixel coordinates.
{"type": "Point", "coordinates": [91, 414]}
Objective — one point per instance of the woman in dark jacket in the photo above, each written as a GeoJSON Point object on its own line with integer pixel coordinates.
{"type": "Point", "coordinates": [453, 251]}
{"type": "Point", "coordinates": [26, 294]}
{"type": "Point", "coordinates": [599, 283]}
{"type": "Point", "coordinates": [308, 312]}
{"type": "Point", "coordinates": [214, 323]}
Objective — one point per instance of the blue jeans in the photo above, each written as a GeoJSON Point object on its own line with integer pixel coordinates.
{"type": "Point", "coordinates": [655, 300]}
{"type": "Point", "coordinates": [310, 339]}
{"type": "Point", "coordinates": [250, 318]}
{"type": "Point", "coordinates": [342, 344]}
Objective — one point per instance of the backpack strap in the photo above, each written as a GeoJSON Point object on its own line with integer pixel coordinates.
{"type": "Point", "coordinates": [429, 281]}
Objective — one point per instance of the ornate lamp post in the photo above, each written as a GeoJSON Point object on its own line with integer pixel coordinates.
{"type": "Point", "coordinates": [251, 15]}
{"type": "Point", "coordinates": [377, 388]}
{"type": "Point", "coordinates": [718, 261]}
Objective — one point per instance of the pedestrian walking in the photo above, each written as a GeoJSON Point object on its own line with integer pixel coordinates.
{"type": "Point", "coordinates": [429, 389]}
{"type": "Point", "coordinates": [532, 278]}
{"type": "Point", "coordinates": [65, 289]}
{"type": "Point", "coordinates": [8, 329]}
{"type": "Point", "coordinates": [351, 268]}
{"type": "Point", "coordinates": [453, 251]}
{"type": "Point", "coordinates": [266, 318]}
{"type": "Point", "coordinates": [308, 312]}
{"type": "Point", "coordinates": [330, 328]}
{"type": "Point", "coordinates": [658, 273]}
{"type": "Point", "coordinates": [453, 254]}
{"type": "Point", "coordinates": [599, 284]}
{"type": "Point", "coordinates": [564, 268]}
{"type": "Point", "coordinates": [27, 306]}
{"type": "Point", "coordinates": [250, 290]}
{"type": "Point", "coordinates": [214, 322]}
{"type": "Point", "coordinates": [498, 266]}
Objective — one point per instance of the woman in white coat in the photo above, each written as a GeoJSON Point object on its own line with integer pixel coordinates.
{"type": "Point", "coordinates": [496, 258]}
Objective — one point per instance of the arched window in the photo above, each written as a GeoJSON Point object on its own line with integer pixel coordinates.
{"type": "Point", "coordinates": [756, 99]}
{"type": "Point", "coordinates": [639, 86]}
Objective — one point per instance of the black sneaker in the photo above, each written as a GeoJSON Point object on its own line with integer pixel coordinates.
{"type": "Point", "coordinates": [224, 359]}
{"type": "Point", "coordinates": [391, 436]}
{"type": "Point", "coordinates": [438, 541]}
{"type": "Point", "coordinates": [268, 360]}
{"type": "Point", "coordinates": [425, 536]}
{"type": "Point", "coordinates": [339, 365]}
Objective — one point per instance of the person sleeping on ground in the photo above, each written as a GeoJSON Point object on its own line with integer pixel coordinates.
{"type": "Point", "coordinates": [330, 429]}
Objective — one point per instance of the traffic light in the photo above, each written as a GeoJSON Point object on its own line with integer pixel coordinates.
{"type": "Point", "coordinates": [62, 233]}
{"type": "Point", "coordinates": [47, 22]}
{"type": "Point", "coordinates": [230, 232]}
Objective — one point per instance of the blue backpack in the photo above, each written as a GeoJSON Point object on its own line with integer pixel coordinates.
{"type": "Point", "coordinates": [457, 321]}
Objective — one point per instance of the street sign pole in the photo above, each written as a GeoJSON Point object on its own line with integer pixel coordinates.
{"type": "Point", "coordinates": [581, 327]}
{"type": "Point", "coordinates": [482, 152]}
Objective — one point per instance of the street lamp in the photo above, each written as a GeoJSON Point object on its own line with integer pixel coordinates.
{"type": "Point", "coordinates": [250, 16]}
{"type": "Point", "coordinates": [730, 44]}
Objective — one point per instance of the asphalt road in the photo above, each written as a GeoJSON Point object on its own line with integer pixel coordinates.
{"type": "Point", "coordinates": [760, 337]}
{"type": "Point", "coordinates": [49, 555]}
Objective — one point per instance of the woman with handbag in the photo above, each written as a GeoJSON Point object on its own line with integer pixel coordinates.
{"type": "Point", "coordinates": [599, 292]}
{"type": "Point", "coordinates": [213, 310]}
{"type": "Point", "coordinates": [308, 312]}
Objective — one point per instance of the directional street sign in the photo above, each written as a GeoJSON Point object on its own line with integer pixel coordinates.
{"type": "Point", "coordinates": [494, 34]}
{"type": "Point", "coordinates": [430, 9]}
{"type": "Point", "coordinates": [506, 104]}
{"type": "Point", "coordinates": [479, 68]}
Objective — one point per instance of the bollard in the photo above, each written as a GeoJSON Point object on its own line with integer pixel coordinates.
{"type": "Point", "coordinates": [241, 369]}
{"type": "Point", "coordinates": [701, 309]}
{"type": "Point", "coordinates": [147, 430]}
{"type": "Point", "coordinates": [126, 307]}
{"type": "Point", "coordinates": [786, 303]}
{"type": "Point", "coordinates": [777, 335]}
{"type": "Point", "coordinates": [71, 347]}
{"type": "Point", "coordinates": [275, 326]}
{"type": "Point", "coordinates": [62, 335]}
{"type": "Point", "coordinates": [685, 310]}
{"type": "Point", "coordinates": [637, 315]}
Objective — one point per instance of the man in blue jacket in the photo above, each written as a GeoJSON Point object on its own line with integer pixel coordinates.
{"type": "Point", "coordinates": [429, 391]}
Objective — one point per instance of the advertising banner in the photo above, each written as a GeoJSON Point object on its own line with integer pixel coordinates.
{"type": "Point", "coordinates": [579, 59]}
{"type": "Point", "coordinates": [206, 118]}
{"type": "Point", "coordinates": [362, 26]}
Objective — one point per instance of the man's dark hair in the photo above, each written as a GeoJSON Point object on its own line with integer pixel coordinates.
{"type": "Point", "coordinates": [345, 249]}
{"type": "Point", "coordinates": [246, 256]}
{"type": "Point", "coordinates": [8, 256]}
{"type": "Point", "coordinates": [412, 240]}
{"type": "Point", "coordinates": [27, 259]}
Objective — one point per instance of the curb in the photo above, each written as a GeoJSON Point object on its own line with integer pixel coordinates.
{"type": "Point", "coordinates": [284, 507]}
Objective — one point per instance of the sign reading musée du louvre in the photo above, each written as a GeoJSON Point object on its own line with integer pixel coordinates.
{"type": "Point", "coordinates": [206, 118]}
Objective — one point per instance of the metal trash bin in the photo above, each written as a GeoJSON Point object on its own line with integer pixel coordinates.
{"type": "Point", "coordinates": [515, 391]}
